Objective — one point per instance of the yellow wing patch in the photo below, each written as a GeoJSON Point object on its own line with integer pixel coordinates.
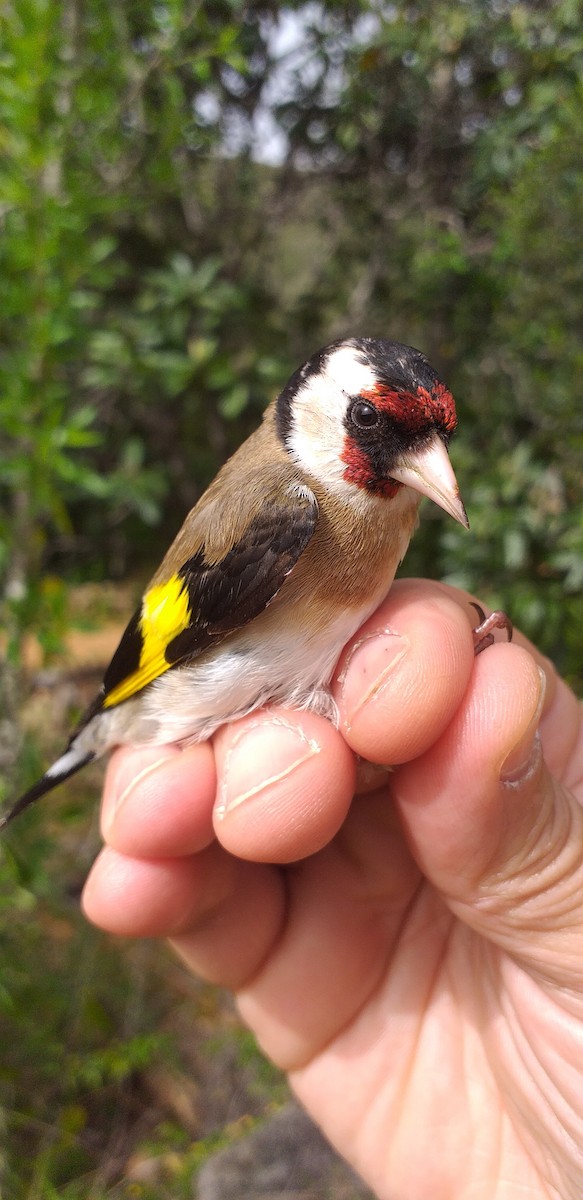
{"type": "Point", "coordinates": [165, 613]}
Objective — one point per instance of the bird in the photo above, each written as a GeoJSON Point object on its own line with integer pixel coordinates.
{"type": "Point", "coordinates": [292, 546]}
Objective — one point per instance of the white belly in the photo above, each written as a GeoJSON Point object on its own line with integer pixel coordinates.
{"type": "Point", "coordinates": [187, 704]}
{"type": "Point", "coordinates": [245, 674]}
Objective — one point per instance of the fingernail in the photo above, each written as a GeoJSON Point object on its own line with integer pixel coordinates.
{"type": "Point", "coordinates": [115, 804]}
{"type": "Point", "coordinates": [368, 669]}
{"type": "Point", "coordinates": [251, 752]}
{"type": "Point", "coordinates": [525, 755]}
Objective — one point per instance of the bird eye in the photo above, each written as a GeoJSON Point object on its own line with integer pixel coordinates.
{"type": "Point", "coordinates": [364, 415]}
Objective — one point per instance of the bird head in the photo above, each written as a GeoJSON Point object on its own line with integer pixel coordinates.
{"type": "Point", "coordinates": [370, 416]}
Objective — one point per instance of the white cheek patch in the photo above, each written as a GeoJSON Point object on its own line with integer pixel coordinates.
{"type": "Point", "coordinates": [317, 436]}
{"type": "Point", "coordinates": [348, 374]}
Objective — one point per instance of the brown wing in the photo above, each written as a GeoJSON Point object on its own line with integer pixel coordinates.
{"type": "Point", "coordinates": [200, 603]}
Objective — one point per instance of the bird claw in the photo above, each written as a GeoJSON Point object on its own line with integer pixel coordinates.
{"type": "Point", "coordinates": [482, 634]}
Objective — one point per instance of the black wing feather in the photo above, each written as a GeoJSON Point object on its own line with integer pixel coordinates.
{"type": "Point", "coordinates": [227, 595]}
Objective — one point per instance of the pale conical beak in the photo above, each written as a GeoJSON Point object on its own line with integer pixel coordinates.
{"type": "Point", "coordinates": [430, 472]}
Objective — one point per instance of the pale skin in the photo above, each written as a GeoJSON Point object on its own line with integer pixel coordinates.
{"type": "Point", "coordinates": [412, 957]}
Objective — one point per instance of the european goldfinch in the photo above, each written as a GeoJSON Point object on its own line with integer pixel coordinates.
{"type": "Point", "coordinates": [290, 549]}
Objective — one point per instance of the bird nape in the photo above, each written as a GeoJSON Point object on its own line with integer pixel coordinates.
{"type": "Point", "coordinates": [293, 545]}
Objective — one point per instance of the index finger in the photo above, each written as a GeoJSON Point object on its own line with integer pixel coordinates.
{"type": "Point", "coordinates": [404, 675]}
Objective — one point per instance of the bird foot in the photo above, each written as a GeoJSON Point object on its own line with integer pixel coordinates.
{"type": "Point", "coordinates": [483, 633]}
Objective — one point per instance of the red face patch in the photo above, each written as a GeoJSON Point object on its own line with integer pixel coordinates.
{"type": "Point", "coordinates": [413, 414]}
{"type": "Point", "coordinates": [414, 411]}
{"type": "Point", "coordinates": [359, 471]}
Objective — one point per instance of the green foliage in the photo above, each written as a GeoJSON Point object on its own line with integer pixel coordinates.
{"type": "Point", "coordinates": [188, 384]}
{"type": "Point", "coordinates": [71, 1067]}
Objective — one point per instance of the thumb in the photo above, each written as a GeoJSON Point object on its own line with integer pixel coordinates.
{"type": "Point", "coordinates": [492, 829]}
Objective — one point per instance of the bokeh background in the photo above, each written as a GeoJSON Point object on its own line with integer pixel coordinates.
{"type": "Point", "coordinates": [193, 198]}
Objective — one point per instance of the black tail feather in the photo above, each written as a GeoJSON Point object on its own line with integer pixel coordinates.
{"type": "Point", "coordinates": [42, 786]}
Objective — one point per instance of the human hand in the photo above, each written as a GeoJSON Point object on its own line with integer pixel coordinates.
{"type": "Point", "coordinates": [411, 957]}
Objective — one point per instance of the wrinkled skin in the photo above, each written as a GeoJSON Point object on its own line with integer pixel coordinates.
{"type": "Point", "coordinates": [415, 961]}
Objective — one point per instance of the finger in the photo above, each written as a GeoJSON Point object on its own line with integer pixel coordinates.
{"type": "Point", "coordinates": [491, 828]}
{"type": "Point", "coordinates": [223, 914]}
{"type": "Point", "coordinates": [158, 800]}
{"type": "Point", "coordinates": [404, 676]}
{"type": "Point", "coordinates": [285, 783]}
{"type": "Point", "coordinates": [561, 726]}
{"type": "Point", "coordinates": [347, 910]}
